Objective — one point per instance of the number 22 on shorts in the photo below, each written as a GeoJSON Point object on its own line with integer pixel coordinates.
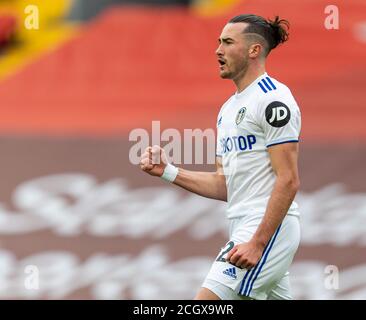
{"type": "Point", "coordinates": [224, 251]}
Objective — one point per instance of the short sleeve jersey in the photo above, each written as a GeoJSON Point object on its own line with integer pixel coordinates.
{"type": "Point", "coordinates": [262, 115]}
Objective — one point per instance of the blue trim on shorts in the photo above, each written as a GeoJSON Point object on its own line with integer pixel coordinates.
{"type": "Point", "coordinates": [260, 264]}
{"type": "Point", "coordinates": [264, 261]}
{"type": "Point", "coordinates": [251, 271]}
{"type": "Point", "coordinates": [243, 281]}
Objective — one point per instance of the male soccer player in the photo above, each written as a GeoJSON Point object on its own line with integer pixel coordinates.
{"type": "Point", "coordinates": [257, 149]}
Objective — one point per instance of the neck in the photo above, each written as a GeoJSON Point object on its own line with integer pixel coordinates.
{"type": "Point", "coordinates": [248, 76]}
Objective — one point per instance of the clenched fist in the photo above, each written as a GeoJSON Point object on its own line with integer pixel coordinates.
{"type": "Point", "coordinates": [153, 161]}
{"type": "Point", "coordinates": [245, 255]}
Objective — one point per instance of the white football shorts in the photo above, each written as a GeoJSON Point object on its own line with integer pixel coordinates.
{"type": "Point", "coordinates": [269, 279]}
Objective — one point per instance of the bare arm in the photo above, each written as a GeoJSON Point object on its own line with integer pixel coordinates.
{"type": "Point", "coordinates": [207, 184]}
{"type": "Point", "coordinates": [284, 163]}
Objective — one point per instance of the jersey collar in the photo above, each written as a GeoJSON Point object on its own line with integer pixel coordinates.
{"type": "Point", "coordinates": [250, 87]}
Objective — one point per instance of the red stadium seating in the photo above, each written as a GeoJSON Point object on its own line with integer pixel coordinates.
{"type": "Point", "coordinates": [7, 28]}
{"type": "Point", "coordinates": [134, 65]}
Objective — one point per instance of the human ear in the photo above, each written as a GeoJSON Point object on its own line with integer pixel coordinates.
{"type": "Point", "coordinates": [255, 50]}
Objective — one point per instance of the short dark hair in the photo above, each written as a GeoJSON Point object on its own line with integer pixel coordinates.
{"type": "Point", "coordinates": [273, 32]}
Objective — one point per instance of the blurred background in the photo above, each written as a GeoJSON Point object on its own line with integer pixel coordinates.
{"type": "Point", "coordinates": [79, 221]}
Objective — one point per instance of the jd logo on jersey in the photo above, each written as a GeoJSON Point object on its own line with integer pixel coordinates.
{"type": "Point", "coordinates": [277, 114]}
{"type": "Point", "coordinates": [240, 116]}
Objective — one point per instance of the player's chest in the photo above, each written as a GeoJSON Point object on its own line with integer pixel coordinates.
{"type": "Point", "coordinates": [238, 120]}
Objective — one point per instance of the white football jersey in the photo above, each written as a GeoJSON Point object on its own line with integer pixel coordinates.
{"type": "Point", "coordinates": [262, 115]}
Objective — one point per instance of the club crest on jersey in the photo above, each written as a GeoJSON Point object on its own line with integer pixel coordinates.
{"type": "Point", "coordinates": [240, 116]}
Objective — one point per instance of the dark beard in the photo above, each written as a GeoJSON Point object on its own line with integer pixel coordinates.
{"type": "Point", "coordinates": [242, 70]}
